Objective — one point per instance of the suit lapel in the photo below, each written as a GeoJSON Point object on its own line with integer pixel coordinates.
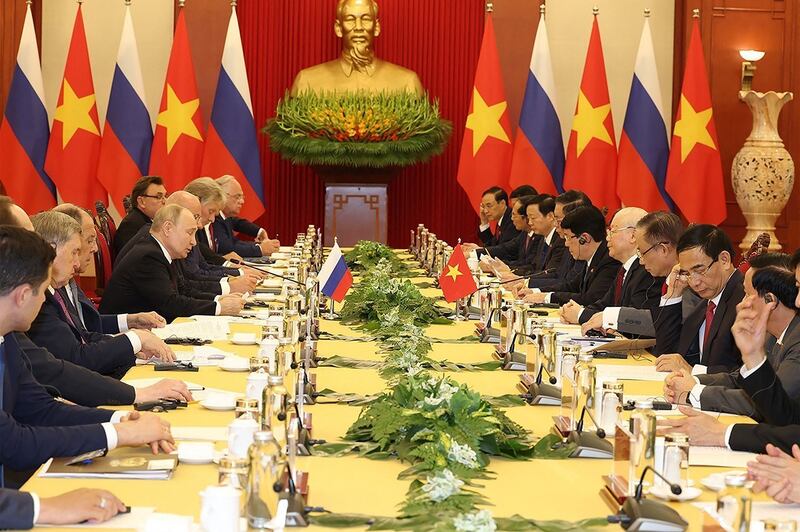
{"type": "Point", "coordinates": [722, 308]}
{"type": "Point", "coordinates": [69, 321]}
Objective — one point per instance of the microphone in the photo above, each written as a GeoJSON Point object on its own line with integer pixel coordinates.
{"type": "Point", "coordinates": [264, 270]}
{"type": "Point", "coordinates": [521, 277]}
{"type": "Point", "coordinates": [674, 488]}
{"type": "Point", "coordinates": [552, 379]}
{"type": "Point", "coordinates": [579, 427]}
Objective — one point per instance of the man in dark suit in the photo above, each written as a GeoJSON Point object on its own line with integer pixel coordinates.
{"type": "Point", "coordinates": [495, 208]}
{"type": "Point", "coordinates": [633, 286]}
{"type": "Point", "coordinates": [33, 426]}
{"type": "Point", "coordinates": [558, 263]}
{"type": "Point", "coordinates": [146, 279]}
{"type": "Point", "coordinates": [23, 510]}
{"type": "Point", "coordinates": [702, 342]}
{"type": "Point", "coordinates": [584, 231]}
{"type": "Point", "coordinates": [56, 327]}
{"type": "Point", "coordinates": [721, 392]}
{"type": "Point", "coordinates": [516, 254]}
{"type": "Point", "coordinates": [148, 195]}
{"type": "Point", "coordinates": [71, 381]}
{"type": "Point", "coordinates": [228, 222]}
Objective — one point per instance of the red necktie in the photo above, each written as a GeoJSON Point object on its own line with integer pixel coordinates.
{"type": "Point", "coordinates": [527, 241]}
{"type": "Point", "coordinates": [63, 306]}
{"type": "Point", "coordinates": [212, 241]}
{"type": "Point", "coordinates": [618, 287]}
{"type": "Point", "coordinates": [709, 320]}
{"type": "Point", "coordinates": [497, 233]}
{"type": "Point", "coordinates": [664, 289]}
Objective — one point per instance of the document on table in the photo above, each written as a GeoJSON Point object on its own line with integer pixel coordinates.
{"type": "Point", "coordinates": [135, 520]}
{"type": "Point", "coordinates": [629, 373]}
{"type": "Point", "coordinates": [718, 457]}
{"type": "Point", "coordinates": [204, 329]}
{"type": "Point", "coordinates": [760, 512]}
{"type": "Point", "coordinates": [675, 411]}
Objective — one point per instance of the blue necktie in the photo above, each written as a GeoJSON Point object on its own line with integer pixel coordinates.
{"type": "Point", "coordinates": [2, 379]}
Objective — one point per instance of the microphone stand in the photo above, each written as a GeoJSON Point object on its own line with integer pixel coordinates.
{"type": "Point", "coordinates": [590, 444]}
{"type": "Point", "coordinates": [264, 270]}
{"type": "Point", "coordinates": [639, 514]}
{"type": "Point", "coordinates": [544, 393]}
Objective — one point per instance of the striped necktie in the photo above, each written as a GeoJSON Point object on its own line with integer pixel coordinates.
{"type": "Point", "coordinates": [61, 303]}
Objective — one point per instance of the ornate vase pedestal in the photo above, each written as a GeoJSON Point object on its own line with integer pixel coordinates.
{"type": "Point", "coordinates": [356, 203]}
{"type": "Point", "coordinates": [763, 171]}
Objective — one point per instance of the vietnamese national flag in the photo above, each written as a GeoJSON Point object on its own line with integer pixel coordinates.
{"type": "Point", "coordinates": [231, 143]}
{"type": "Point", "coordinates": [177, 149]}
{"type": "Point", "coordinates": [74, 145]}
{"type": "Point", "coordinates": [456, 279]}
{"type": "Point", "coordinates": [486, 149]}
{"type": "Point", "coordinates": [591, 164]}
{"type": "Point", "coordinates": [694, 171]}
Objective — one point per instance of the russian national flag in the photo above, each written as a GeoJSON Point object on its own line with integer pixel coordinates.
{"type": "Point", "coordinates": [644, 144]}
{"type": "Point", "coordinates": [25, 130]}
{"type": "Point", "coordinates": [231, 147]}
{"type": "Point", "coordinates": [128, 131]}
{"type": "Point", "coordinates": [334, 277]}
{"type": "Point", "coordinates": [538, 157]}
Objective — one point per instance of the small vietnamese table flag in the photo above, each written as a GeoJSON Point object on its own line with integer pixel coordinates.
{"type": "Point", "coordinates": [456, 280]}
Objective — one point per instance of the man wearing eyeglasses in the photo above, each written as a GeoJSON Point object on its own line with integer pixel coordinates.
{"type": "Point", "coordinates": [702, 342]}
{"type": "Point", "coordinates": [148, 195]}
{"type": "Point", "coordinates": [494, 208]}
{"type": "Point", "coordinates": [633, 286]}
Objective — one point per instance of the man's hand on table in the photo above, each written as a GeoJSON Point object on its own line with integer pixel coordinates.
{"type": "Point", "coordinates": [519, 289]}
{"type": "Point", "coordinates": [672, 362]}
{"type": "Point", "coordinates": [153, 347]}
{"type": "Point", "coordinates": [231, 304]}
{"type": "Point", "coordinates": [595, 323]}
{"type": "Point", "coordinates": [777, 474]}
{"type": "Point", "coordinates": [146, 320]}
{"type": "Point", "coordinates": [233, 255]}
{"type": "Point", "coordinates": [164, 389]}
{"type": "Point", "coordinates": [534, 297]}
{"type": "Point", "coordinates": [469, 247]}
{"type": "Point", "coordinates": [677, 386]}
{"type": "Point", "coordinates": [77, 506]}
{"type": "Point", "coordinates": [570, 312]}
{"type": "Point", "coordinates": [702, 429]}
{"type": "Point", "coordinates": [242, 284]}
{"type": "Point", "coordinates": [137, 429]}
{"type": "Point", "coordinates": [750, 331]}
{"type": "Point", "coordinates": [269, 246]}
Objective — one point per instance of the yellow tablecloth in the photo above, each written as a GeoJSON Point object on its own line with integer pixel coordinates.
{"type": "Point", "coordinates": [541, 489]}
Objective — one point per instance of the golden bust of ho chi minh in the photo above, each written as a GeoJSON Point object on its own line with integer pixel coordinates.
{"type": "Point", "coordinates": [357, 69]}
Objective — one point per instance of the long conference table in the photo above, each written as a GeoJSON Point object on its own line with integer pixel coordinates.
{"type": "Point", "coordinates": [540, 489]}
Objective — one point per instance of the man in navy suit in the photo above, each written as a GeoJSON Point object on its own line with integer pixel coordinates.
{"type": "Point", "coordinates": [59, 332]}
{"type": "Point", "coordinates": [228, 222]}
{"type": "Point", "coordinates": [33, 426]}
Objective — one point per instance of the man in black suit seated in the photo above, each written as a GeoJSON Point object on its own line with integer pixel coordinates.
{"type": "Point", "coordinates": [75, 383]}
{"type": "Point", "coordinates": [61, 333]}
{"type": "Point", "coordinates": [584, 231]}
{"type": "Point", "coordinates": [702, 342]}
{"type": "Point", "coordinates": [495, 208]}
{"type": "Point", "coordinates": [633, 286]}
{"type": "Point", "coordinates": [148, 195]}
{"type": "Point", "coordinates": [21, 510]}
{"type": "Point", "coordinates": [514, 254]}
{"type": "Point", "coordinates": [721, 392]}
{"type": "Point", "coordinates": [558, 264]}
{"type": "Point", "coordinates": [780, 430]}
{"type": "Point", "coordinates": [146, 279]}
{"type": "Point", "coordinates": [228, 222]}
{"type": "Point", "coordinates": [33, 426]}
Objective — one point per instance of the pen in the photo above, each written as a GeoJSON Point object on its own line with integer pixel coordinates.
{"type": "Point", "coordinates": [196, 388]}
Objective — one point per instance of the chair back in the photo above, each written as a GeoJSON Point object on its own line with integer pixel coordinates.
{"type": "Point", "coordinates": [105, 223]}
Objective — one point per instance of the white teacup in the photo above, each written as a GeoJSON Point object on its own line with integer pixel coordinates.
{"type": "Point", "coordinates": [220, 400]}
{"type": "Point", "coordinates": [220, 509]}
{"type": "Point", "coordinates": [240, 435]}
{"type": "Point", "coordinates": [196, 452]}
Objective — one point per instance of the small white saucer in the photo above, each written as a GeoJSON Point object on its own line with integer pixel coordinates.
{"type": "Point", "coordinates": [687, 494]}
{"type": "Point", "coordinates": [232, 363]}
{"type": "Point", "coordinates": [196, 452]}
{"type": "Point", "coordinates": [218, 406]}
{"type": "Point", "coordinates": [716, 481]}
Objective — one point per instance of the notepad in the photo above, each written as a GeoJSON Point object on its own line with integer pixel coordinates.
{"type": "Point", "coordinates": [127, 466]}
{"type": "Point", "coordinates": [718, 457]}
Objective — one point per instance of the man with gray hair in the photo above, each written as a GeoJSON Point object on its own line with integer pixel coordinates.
{"type": "Point", "coordinates": [228, 222]}
{"type": "Point", "coordinates": [633, 286]}
{"type": "Point", "coordinates": [55, 328]}
{"type": "Point", "coordinates": [146, 277]}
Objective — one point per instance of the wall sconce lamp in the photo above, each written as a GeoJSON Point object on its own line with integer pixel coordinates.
{"type": "Point", "coordinates": [749, 66]}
